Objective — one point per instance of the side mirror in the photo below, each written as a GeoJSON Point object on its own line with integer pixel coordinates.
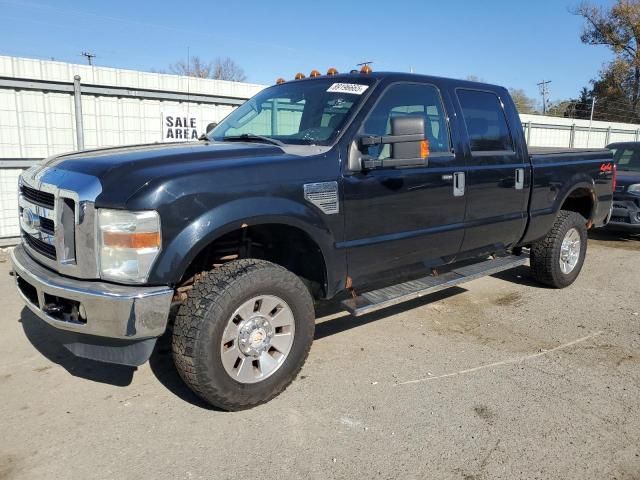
{"type": "Point", "coordinates": [408, 126]}
{"type": "Point", "coordinates": [408, 145]}
{"type": "Point", "coordinates": [211, 126]}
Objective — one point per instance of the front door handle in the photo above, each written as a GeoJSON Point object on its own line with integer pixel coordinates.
{"type": "Point", "coordinates": [519, 178]}
{"type": "Point", "coordinates": [458, 184]}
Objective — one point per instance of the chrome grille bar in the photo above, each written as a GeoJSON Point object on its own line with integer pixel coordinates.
{"type": "Point", "coordinates": [38, 197]}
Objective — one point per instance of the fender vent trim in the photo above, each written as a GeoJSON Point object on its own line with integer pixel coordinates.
{"type": "Point", "coordinates": [323, 195]}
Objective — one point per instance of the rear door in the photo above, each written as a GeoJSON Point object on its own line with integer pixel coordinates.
{"type": "Point", "coordinates": [496, 175]}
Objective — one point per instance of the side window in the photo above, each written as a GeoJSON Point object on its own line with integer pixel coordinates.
{"type": "Point", "coordinates": [485, 120]}
{"type": "Point", "coordinates": [408, 99]}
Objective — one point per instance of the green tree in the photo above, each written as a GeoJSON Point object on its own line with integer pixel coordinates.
{"type": "Point", "coordinates": [579, 107]}
{"type": "Point", "coordinates": [618, 89]}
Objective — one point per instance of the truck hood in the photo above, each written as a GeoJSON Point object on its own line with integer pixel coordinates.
{"type": "Point", "coordinates": [122, 171]}
{"type": "Point", "coordinates": [102, 162]}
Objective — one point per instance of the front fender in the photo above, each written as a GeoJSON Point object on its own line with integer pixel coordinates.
{"type": "Point", "coordinates": [179, 251]}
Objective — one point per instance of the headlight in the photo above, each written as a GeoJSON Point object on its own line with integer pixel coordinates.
{"type": "Point", "coordinates": [635, 188]}
{"type": "Point", "coordinates": [128, 243]}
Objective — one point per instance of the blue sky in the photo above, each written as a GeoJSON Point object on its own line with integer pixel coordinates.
{"type": "Point", "coordinates": [510, 42]}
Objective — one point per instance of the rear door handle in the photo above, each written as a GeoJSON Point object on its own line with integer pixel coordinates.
{"type": "Point", "coordinates": [519, 178]}
{"type": "Point", "coordinates": [458, 184]}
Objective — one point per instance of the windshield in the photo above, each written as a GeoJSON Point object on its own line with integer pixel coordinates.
{"type": "Point", "coordinates": [310, 112]}
{"type": "Point", "coordinates": [627, 159]}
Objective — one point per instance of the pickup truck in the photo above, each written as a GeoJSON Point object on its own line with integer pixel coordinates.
{"type": "Point", "coordinates": [375, 188]}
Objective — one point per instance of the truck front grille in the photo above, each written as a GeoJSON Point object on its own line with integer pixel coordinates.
{"type": "Point", "coordinates": [38, 212]}
{"type": "Point", "coordinates": [39, 246]}
{"type": "Point", "coordinates": [57, 219]}
{"type": "Point", "coordinates": [44, 199]}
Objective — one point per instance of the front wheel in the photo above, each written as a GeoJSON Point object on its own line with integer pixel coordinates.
{"type": "Point", "coordinates": [243, 334]}
{"type": "Point", "coordinates": [556, 260]}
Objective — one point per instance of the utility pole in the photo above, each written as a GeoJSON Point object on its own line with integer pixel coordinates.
{"type": "Point", "coordinates": [90, 57]}
{"type": "Point", "coordinates": [544, 91]}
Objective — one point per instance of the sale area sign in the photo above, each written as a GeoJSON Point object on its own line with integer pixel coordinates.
{"type": "Point", "coordinates": [180, 126]}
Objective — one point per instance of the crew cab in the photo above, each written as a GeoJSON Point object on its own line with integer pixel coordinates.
{"type": "Point", "coordinates": [371, 187]}
{"type": "Point", "coordinates": [626, 197]}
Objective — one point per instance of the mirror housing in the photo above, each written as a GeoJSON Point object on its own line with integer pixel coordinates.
{"type": "Point", "coordinates": [405, 127]}
{"type": "Point", "coordinates": [407, 140]}
{"type": "Point", "coordinates": [211, 126]}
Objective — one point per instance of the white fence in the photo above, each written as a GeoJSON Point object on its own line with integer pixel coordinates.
{"type": "Point", "coordinates": [39, 106]}
{"type": "Point", "coordinates": [543, 131]}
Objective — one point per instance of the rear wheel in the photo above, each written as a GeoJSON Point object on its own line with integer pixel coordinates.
{"type": "Point", "coordinates": [243, 334]}
{"type": "Point", "coordinates": [557, 259]}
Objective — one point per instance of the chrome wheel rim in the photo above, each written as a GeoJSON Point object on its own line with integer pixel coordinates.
{"type": "Point", "coordinates": [257, 339]}
{"type": "Point", "coordinates": [570, 251]}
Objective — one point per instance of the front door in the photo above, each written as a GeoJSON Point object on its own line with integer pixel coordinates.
{"type": "Point", "coordinates": [397, 217]}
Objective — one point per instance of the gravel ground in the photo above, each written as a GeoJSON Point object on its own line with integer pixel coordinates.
{"type": "Point", "coordinates": [499, 379]}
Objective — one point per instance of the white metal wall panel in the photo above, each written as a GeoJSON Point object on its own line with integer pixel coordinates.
{"type": "Point", "coordinates": [9, 202]}
{"type": "Point", "coordinates": [9, 132]}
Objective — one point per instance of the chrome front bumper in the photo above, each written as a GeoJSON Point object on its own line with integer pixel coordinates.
{"type": "Point", "coordinates": [112, 311]}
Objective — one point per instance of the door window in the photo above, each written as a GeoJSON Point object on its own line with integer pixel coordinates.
{"type": "Point", "coordinates": [485, 120]}
{"type": "Point", "coordinates": [408, 99]}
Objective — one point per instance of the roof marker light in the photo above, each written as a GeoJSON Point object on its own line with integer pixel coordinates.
{"type": "Point", "coordinates": [314, 73]}
{"type": "Point", "coordinates": [332, 71]}
{"type": "Point", "coordinates": [299, 76]}
{"type": "Point", "coordinates": [280, 80]}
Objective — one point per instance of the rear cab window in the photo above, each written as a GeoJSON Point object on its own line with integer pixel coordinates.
{"type": "Point", "coordinates": [485, 120]}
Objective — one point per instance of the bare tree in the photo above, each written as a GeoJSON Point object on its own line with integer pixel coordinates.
{"type": "Point", "coordinates": [219, 69]}
{"type": "Point", "coordinates": [227, 69]}
{"type": "Point", "coordinates": [524, 103]}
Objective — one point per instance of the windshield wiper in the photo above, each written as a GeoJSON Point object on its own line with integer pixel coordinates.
{"type": "Point", "coordinates": [250, 137]}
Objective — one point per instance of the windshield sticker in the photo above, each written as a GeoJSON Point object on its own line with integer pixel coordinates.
{"type": "Point", "coordinates": [354, 88]}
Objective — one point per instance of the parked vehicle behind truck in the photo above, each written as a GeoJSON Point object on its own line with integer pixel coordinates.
{"type": "Point", "coordinates": [626, 197]}
{"type": "Point", "coordinates": [377, 186]}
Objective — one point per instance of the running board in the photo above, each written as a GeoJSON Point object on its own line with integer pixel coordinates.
{"type": "Point", "coordinates": [386, 297]}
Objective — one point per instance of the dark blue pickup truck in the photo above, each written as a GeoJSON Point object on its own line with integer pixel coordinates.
{"type": "Point", "coordinates": [380, 187]}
